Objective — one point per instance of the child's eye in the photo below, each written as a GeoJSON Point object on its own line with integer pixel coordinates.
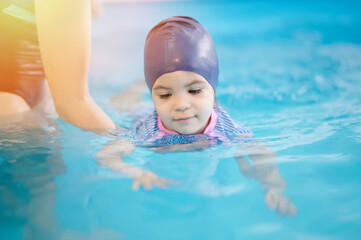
{"type": "Point", "coordinates": [164, 96]}
{"type": "Point", "coordinates": [195, 91]}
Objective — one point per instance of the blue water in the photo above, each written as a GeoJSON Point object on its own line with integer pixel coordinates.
{"type": "Point", "coordinates": [290, 70]}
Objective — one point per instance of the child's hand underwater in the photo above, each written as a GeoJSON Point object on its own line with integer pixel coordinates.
{"type": "Point", "coordinates": [148, 178]}
{"type": "Point", "coordinates": [274, 198]}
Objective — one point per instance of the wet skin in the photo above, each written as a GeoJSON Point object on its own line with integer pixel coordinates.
{"type": "Point", "coordinates": [184, 101]}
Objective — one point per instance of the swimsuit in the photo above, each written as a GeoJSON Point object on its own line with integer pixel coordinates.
{"type": "Point", "coordinates": [150, 132]}
{"type": "Point", "coordinates": [21, 70]}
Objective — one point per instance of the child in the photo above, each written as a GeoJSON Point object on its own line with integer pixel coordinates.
{"type": "Point", "coordinates": [181, 71]}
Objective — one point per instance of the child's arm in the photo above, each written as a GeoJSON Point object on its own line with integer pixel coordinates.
{"type": "Point", "coordinates": [265, 170]}
{"type": "Point", "coordinates": [64, 38]}
{"type": "Point", "coordinates": [111, 157]}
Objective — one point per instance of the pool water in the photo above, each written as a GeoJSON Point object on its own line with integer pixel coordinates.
{"type": "Point", "coordinates": [291, 70]}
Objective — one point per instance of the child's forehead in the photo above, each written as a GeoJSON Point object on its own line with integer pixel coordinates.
{"type": "Point", "coordinates": [179, 79]}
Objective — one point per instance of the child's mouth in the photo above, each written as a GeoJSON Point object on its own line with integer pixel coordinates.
{"type": "Point", "coordinates": [183, 119]}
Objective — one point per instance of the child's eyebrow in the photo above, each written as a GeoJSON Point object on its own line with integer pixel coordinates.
{"type": "Point", "coordinates": [195, 82]}
{"type": "Point", "coordinates": [160, 87]}
{"type": "Point", "coordinates": [168, 88]}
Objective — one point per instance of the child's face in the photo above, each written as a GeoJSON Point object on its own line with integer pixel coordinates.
{"type": "Point", "coordinates": [184, 101]}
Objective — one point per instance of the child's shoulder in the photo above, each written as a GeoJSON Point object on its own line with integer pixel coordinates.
{"type": "Point", "coordinates": [144, 127]}
{"type": "Point", "coordinates": [147, 127]}
{"type": "Point", "coordinates": [230, 128]}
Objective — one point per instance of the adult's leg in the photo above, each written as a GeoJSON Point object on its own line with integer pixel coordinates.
{"type": "Point", "coordinates": [11, 103]}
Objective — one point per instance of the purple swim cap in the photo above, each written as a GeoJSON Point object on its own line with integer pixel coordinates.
{"type": "Point", "coordinates": [180, 44]}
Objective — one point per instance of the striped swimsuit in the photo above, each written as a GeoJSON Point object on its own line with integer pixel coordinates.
{"type": "Point", "coordinates": [149, 132]}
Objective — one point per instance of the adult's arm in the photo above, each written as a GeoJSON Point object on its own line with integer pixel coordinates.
{"type": "Point", "coordinates": [64, 28]}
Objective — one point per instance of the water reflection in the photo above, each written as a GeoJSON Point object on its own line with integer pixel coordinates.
{"type": "Point", "coordinates": [30, 160]}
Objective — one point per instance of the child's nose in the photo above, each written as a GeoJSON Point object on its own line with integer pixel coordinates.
{"type": "Point", "coordinates": [181, 104]}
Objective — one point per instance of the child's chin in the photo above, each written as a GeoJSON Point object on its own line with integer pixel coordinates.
{"type": "Point", "coordinates": [186, 131]}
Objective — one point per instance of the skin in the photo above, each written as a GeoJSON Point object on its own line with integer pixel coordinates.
{"type": "Point", "coordinates": [111, 157]}
{"type": "Point", "coordinates": [184, 101]}
{"type": "Point", "coordinates": [264, 169]}
{"type": "Point", "coordinates": [260, 166]}
{"type": "Point", "coordinates": [65, 50]}
{"type": "Point", "coordinates": [63, 28]}
{"type": "Point", "coordinates": [15, 104]}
